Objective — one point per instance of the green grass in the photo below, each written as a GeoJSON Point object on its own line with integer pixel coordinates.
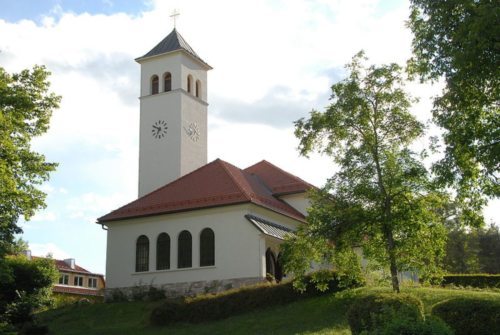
{"type": "Point", "coordinates": [322, 315]}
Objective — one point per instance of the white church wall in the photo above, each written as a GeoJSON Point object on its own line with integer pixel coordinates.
{"type": "Point", "coordinates": [299, 201]}
{"type": "Point", "coordinates": [237, 247]}
{"type": "Point", "coordinates": [193, 146]}
{"type": "Point", "coordinates": [158, 65]}
{"type": "Point", "coordinates": [159, 158]}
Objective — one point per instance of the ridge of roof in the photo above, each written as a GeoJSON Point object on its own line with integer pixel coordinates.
{"type": "Point", "coordinates": [280, 181]}
{"type": "Point", "coordinates": [172, 42]}
{"type": "Point", "coordinates": [217, 183]}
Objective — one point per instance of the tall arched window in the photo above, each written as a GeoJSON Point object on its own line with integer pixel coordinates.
{"type": "Point", "coordinates": [207, 247]}
{"type": "Point", "coordinates": [154, 84]}
{"type": "Point", "coordinates": [167, 82]}
{"type": "Point", "coordinates": [198, 89]}
{"type": "Point", "coordinates": [189, 84]}
{"type": "Point", "coordinates": [185, 250]}
{"type": "Point", "coordinates": [142, 254]}
{"type": "Point", "coordinates": [163, 252]}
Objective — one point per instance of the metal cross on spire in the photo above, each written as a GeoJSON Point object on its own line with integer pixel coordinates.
{"type": "Point", "coordinates": [174, 15]}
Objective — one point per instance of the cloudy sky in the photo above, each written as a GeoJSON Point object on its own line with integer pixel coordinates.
{"type": "Point", "coordinates": [273, 60]}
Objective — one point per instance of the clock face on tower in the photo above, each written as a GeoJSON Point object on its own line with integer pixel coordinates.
{"type": "Point", "coordinates": [193, 131]}
{"type": "Point", "coordinates": [159, 129]}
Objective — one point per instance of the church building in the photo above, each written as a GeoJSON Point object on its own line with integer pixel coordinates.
{"type": "Point", "coordinates": [195, 227]}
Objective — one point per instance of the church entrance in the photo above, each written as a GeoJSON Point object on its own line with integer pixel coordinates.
{"type": "Point", "coordinates": [274, 269]}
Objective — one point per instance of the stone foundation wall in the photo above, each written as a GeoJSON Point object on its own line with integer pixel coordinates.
{"type": "Point", "coordinates": [140, 292]}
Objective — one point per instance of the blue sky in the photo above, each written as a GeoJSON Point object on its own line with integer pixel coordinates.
{"type": "Point", "coordinates": [274, 61]}
{"type": "Point", "coordinates": [15, 10]}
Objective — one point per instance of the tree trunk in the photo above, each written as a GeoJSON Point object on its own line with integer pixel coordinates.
{"type": "Point", "coordinates": [392, 257]}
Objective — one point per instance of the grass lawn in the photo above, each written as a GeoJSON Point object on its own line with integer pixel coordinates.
{"type": "Point", "coordinates": [322, 315]}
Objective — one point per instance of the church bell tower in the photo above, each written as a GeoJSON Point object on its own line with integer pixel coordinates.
{"type": "Point", "coordinates": [173, 113]}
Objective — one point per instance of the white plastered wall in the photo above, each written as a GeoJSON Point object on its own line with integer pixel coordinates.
{"type": "Point", "coordinates": [299, 201]}
{"type": "Point", "coordinates": [239, 246]}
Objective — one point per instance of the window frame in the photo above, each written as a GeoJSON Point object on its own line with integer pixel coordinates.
{"type": "Point", "coordinates": [163, 263]}
{"type": "Point", "coordinates": [167, 78]}
{"type": "Point", "coordinates": [184, 257]}
{"type": "Point", "coordinates": [92, 282]}
{"type": "Point", "coordinates": [78, 281]}
{"type": "Point", "coordinates": [207, 247]}
{"type": "Point", "coordinates": [142, 255]}
{"type": "Point", "coordinates": [155, 85]}
{"type": "Point", "coordinates": [64, 279]}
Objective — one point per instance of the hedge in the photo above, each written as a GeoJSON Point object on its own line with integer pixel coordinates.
{"type": "Point", "coordinates": [481, 280]}
{"type": "Point", "coordinates": [211, 307]}
{"type": "Point", "coordinates": [374, 312]}
{"type": "Point", "coordinates": [470, 316]}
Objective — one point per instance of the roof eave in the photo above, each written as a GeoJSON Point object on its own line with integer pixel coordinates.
{"type": "Point", "coordinates": [198, 60]}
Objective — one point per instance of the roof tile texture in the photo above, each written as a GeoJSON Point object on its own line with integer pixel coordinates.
{"type": "Point", "coordinates": [217, 184]}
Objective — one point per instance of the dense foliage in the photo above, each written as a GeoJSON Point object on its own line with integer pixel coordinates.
{"type": "Point", "coordinates": [25, 286]}
{"type": "Point", "coordinates": [373, 312]}
{"type": "Point", "coordinates": [473, 250]}
{"type": "Point", "coordinates": [480, 280]}
{"type": "Point", "coordinates": [457, 41]}
{"type": "Point", "coordinates": [467, 316]}
{"type": "Point", "coordinates": [382, 198]}
{"type": "Point", "coordinates": [25, 109]}
{"type": "Point", "coordinates": [211, 307]}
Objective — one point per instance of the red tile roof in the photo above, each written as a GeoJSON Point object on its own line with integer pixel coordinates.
{"type": "Point", "coordinates": [279, 181]}
{"type": "Point", "coordinates": [216, 184]}
{"type": "Point", "coordinates": [62, 266]}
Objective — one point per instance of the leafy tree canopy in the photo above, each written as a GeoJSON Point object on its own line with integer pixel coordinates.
{"type": "Point", "coordinates": [382, 199]}
{"type": "Point", "coordinates": [458, 40]}
{"type": "Point", "coordinates": [26, 106]}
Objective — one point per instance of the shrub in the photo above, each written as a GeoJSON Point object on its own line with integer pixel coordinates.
{"type": "Point", "coordinates": [209, 307]}
{"type": "Point", "coordinates": [469, 315]}
{"type": "Point", "coordinates": [481, 280]}
{"type": "Point", "coordinates": [406, 326]}
{"type": "Point", "coordinates": [375, 311]}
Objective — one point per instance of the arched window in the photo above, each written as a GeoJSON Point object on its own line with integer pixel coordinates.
{"type": "Point", "coordinates": [167, 82]}
{"type": "Point", "coordinates": [279, 268]}
{"type": "Point", "coordinates": [270, 263]}
{"type": "Point", "coordinates": [185, 250]}
{"type": "Point", "coordinates": [163, 252]}
{"type": "Point", "coordinates": [142, 254]}
{"type": "Point", "coordinates": [207, 247]}
{"type": "Point", "coordinates": [198, 89]}
{"type": "Point", "coordinates": [189, 83]}
{"type": "Point", "coordinates": [154, 84]}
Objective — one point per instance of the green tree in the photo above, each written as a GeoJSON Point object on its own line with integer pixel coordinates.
{"type": "Point", "coordinates": [489, 249]}
{"type": "Point", "coordinates": [462, 248]}
{"type": "Point", "coordinates": [26, 106]}
{"type": "Point", "coordinates": [457, 40]}
{"type": "Point", "coordinates": [381, 199]}
{"type": "Point", "coordinates": [25, 285]}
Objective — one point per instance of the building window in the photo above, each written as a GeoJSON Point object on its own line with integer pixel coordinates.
{"type": "Point", "coordinates": [142, 254]}
{"type": "Point", "coordinates": [163, 252]}
{"type": "Point", "coordinates": [93, 282]}
{"type": "Point", "coordinates": [198, 89]}
{"type": "Point", "coordinates": [207, 247]}
{"type": "Point", "coordinates": [185, 250]}
{"type": "Point", "coordinates": [167, 82]}
{"type": "Point", "coordinates": [189, 83]}
{"type": "Point", "coordinates": [154, 84]}
{"type": "Point", "coordinates": [64, 279]}
{"type": "Point", "coordinates": [78, 281]}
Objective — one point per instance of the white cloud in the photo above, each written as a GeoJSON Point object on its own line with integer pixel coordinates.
{"type": "Point", "coordinates": [44, 216]}
{"type": "Point", "coordinates": [44, 249]}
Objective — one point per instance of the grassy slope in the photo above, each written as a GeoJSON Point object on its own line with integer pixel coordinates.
{"type": "Point", "coordinates": [323, 315]}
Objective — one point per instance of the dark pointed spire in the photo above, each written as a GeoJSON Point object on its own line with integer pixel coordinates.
{"type": "Point", "coordinates": [174, 41]}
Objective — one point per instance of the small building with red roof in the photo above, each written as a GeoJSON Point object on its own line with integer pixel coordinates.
{"type": "Point", "coordinates": [195, 227]}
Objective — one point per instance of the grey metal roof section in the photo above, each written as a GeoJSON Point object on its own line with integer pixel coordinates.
{"type": "Point", "coordinates": [174, 41]}
{"type": "Point", "coordinates": [269, 228]}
